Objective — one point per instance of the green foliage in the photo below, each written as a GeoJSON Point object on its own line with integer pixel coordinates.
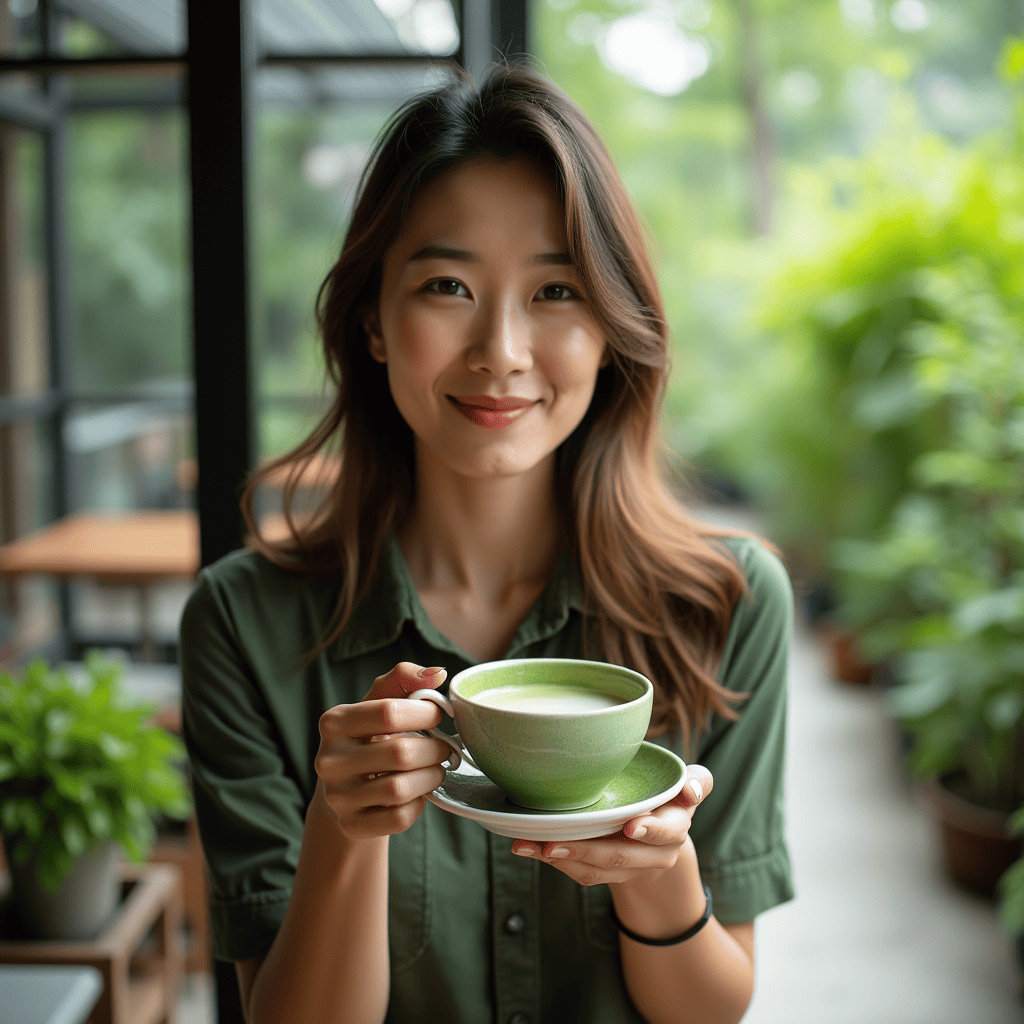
{"type": "Point", "coordinates": [916, 246]}
{"type": "Point", "coordinates": [1011, 887]}
{"type": "Point", "coordinates": [79, 766]}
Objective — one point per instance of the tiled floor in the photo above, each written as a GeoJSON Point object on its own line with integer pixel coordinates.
{"type": "Point", "coordinates": [876, 935]}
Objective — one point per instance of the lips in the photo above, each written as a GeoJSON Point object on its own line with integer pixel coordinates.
{"type": "Point", "coordinates": [494, 413]}
{"type": "Point", "coordinates": [493, 404]}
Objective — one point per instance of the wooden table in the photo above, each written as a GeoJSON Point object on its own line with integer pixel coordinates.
{"type": "Point", "coordinates": [136, 549]}
{"type": "Point", "coordinates": [138, 953]}
{"type": "Point", "coordinates": [132, 548]}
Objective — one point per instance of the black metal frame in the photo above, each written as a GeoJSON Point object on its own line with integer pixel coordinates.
{"type": "Point", "coordinates": [218, 65]}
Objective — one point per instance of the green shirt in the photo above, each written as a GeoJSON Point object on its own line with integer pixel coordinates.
{"type": "Point", "coordinates": [476, 934]}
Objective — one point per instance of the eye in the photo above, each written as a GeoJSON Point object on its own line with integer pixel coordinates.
{"type": "Point", "coordinates": [447, 286]}
{"type": "Point", "coordinates": [556, 293]}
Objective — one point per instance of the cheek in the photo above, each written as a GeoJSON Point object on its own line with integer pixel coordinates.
{"type": "Point", "coordinates": [577, 360]}
{"type": "Point", "coordinates": [419, 348]}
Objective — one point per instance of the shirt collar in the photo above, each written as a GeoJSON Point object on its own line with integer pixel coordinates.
{"type": "Point", "coordinates": [392, 601]}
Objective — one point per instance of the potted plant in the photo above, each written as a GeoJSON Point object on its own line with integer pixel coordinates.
{"type": "Point", "coordinates": [942, 592]}
{"type": "Point", "coordinates": [82, 774]}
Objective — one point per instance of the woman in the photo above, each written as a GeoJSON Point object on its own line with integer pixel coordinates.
{"type": "Point", "coordinates": [495, 335]}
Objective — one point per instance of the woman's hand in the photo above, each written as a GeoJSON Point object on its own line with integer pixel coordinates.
{"type": "Point", "coordinates": [375, 772]}
{"type": "Point", "coordinates": [649, 843]}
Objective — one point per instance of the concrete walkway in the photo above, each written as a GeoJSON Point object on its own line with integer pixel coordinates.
{"type": "Point", "coordinates": [876, 934]}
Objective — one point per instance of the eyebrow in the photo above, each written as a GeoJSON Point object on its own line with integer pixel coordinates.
{"type": "Point", "coordinates": [447, 252]}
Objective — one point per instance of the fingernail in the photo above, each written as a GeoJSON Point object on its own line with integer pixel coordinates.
{"type": "Point", "coordinates": [424, 673]}
{"type": "Point", "coordinates": [559, 851]}
{"type": "Point", "coordinates": [695, 789]}
{"type": "Point", "coordinates": [639, 832]}
{"type": "Point", "coordinates": [524, 851]}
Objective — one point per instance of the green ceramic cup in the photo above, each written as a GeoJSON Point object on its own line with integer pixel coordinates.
{"type": "Point", "coordinates": [551, 732]}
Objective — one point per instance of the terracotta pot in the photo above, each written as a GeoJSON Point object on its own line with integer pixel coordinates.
{"type": "Point", "coordinates": [976, 842]}
{"type": "Point", "coordinates": [845, 662]}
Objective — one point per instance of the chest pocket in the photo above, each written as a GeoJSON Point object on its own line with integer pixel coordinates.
{"type": "Point", "coordinates": [597, 919]}
{"type": "Point", "coordinates": [408, 905]}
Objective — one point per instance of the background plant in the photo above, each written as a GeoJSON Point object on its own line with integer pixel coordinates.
{"type": "Point", "coordinates": [943, 589]}
{"type": "Point", "coordinates": [80, 765]}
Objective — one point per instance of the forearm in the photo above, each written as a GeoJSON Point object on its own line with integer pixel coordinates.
{"type": "Point", "coordinates": [708, 979]}
{"type": "Point", "coordinates": [329, 961]}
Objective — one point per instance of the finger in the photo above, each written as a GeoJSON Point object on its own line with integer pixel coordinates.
{"type": "Point", "coordinates": [403, 679]}
{"type": "Point", "coordinates": [401, 753]}
{"type": "Point", "coordinates": [699, 783]}
{"type": "Point", "coordinates": [668, 825]}
{"type": "Point", "coordinates": [379, 717]}
{"type": "Point", "coordinates": [401, 787]}
{"type": "Point", "coordinates": [614, 853]}
{"type": "Point", "coordinates": [385, 821]}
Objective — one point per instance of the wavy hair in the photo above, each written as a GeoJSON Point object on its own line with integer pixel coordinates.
{"type": "Point", "coordinates": [659, 586]}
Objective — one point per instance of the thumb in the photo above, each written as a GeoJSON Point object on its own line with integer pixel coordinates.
{"type": "Point", "coordinates": [698, 784]}
{"type": "Point", "coordinates": [403, 679]}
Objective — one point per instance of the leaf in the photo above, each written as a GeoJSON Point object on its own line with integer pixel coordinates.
{"type": "Point", "coordinates": [74, 838]}
{"type": "Point", "coordinates": [32, 818]}
{"type": "Point", "coordinates": [921, 696]}
{"type": "Point", "coordinates": [1001, 607]}
{"type": "Point", "coordinates": [1011, 64]}
{"type": "Point", "coordinates": [10, 817]}
{"type": "Point", "coordinates": [100, 822]}
{"type": "Point", "coordinates": [963, 469]}
{"type": "Point", "coordinates": [896, 399]}
{"type": "Point", "coordinates": [1011, 890]}
{"type": "Point", "coordinates": [116, 749]}
{"type": "Point", "coordinates": [1003, 711]}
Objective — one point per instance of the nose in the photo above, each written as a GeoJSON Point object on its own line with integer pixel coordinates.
{"type": "Point", "coordinates": [502, 342]}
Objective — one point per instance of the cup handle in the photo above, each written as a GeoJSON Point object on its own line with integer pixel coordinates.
{"type": "Point", "coordinates": [458, 751]}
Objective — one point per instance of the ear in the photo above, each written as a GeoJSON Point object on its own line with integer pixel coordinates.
{"type": "Point", "coordinates": [606, 357]}
{"type": "Point", "coordinates": [374, 340]}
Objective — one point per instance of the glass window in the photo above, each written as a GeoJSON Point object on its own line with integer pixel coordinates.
{"type": "Point", "coordinates": [127, 238]}
{"type": "Point", "coordinates": [352, 26]}
{"type": "Point", "coordinates": [130, 455]}
{"type": "Point", "coordinates": [314, 132]}
{"type": "Point", "coordinates": [20, 28]}
{"type": "Point", "coordinates": [29, 610]}
{"type": "Point", "coordinates": [90, 28]}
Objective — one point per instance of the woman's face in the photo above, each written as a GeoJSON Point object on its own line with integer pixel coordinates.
{"type": "Point", "coordinates": [491, 350]}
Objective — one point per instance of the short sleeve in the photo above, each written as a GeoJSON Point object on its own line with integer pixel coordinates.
{"type": "Point", "coordinates": [739, 829]}
{"type": "Point", "coordinates": [250, 811]}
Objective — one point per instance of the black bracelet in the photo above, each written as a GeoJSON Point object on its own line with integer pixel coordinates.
{"type": "Point", "coordinates": [688, 934]}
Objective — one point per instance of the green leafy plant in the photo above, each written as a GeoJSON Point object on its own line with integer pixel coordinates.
{"type": "Point", "coordinates": [80, 765]}
{"type": "Point", "coordinates": [822, 417]}
{"type": "Point", "coordinates": [942, 591]}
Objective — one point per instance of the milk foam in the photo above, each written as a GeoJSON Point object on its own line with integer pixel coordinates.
{"type": "Point", "coordinates": [546, 699]}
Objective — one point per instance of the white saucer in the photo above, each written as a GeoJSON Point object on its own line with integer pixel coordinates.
{"type": "Point", "coordinates": [651, 779]}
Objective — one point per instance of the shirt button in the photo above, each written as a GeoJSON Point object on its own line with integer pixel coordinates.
{"type": "Point", "coordinates": [514, 924]}
{"type": "Point", "coordinates": [519, 1018]}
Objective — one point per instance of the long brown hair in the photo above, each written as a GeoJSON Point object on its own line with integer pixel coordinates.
{"type": "Point", "coordinates": [659, 586]}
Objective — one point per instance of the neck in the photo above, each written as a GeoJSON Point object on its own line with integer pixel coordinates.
{"type": "Point", "coordinates": [481, 535]}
